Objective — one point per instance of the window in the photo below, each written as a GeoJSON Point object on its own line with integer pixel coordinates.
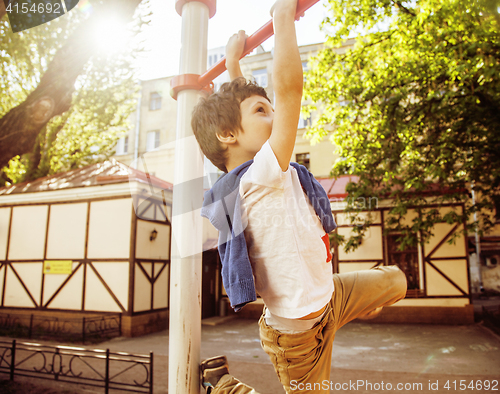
{"type": "Point", "coordinates": [152, 140]}
{"type": "Point", "coordinates": [260, 77]}
{"type": "Point", "coordinates": [305, 69]}
{"type": "Point", "coordinates": [406, 260]}
{"type": "Point", "coordinates": [305, 122]}
{"type": "Point", "coordinates": [154, 101]}
{"type": "Point", "coordinates": [303, 158]}
{"type": "Point", "coordinates": [122, 146]}
{"type": "Point", "coordinates": [212, 59]}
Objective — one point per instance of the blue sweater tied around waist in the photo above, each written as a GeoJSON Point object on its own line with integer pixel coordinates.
{"type": "Point", "coordinates": [222, 206]}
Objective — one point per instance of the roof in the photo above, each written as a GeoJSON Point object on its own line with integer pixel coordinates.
{"type": "Point", "coordinates": [335, 187]}
{"type": "Point", "coordinates": [99, 174]}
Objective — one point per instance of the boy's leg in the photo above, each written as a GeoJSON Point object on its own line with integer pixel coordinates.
{"type": "Point", "coordinates": [228, 384]}
{"type": "Point", "coordinates": [360, 292]}
{"type": "Point", "coordinates": [302, 361]}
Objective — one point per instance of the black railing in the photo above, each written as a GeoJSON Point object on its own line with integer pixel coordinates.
{"type": "Point", "coordinates": [98, 368]}
{"type": "Point", "coordinates": [85, 329]}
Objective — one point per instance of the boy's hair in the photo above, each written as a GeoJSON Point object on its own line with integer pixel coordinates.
{"type": "Point", "coordinates": [219, 114]}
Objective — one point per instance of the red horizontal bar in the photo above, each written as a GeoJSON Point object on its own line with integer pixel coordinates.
{"type": "Point", "coordinates": [251, 43]}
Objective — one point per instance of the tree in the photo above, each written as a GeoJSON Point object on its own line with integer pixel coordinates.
{"type": "Point", "coordinates": [64, 100]}
{"type": "Point", "coordinates": [415, 103]}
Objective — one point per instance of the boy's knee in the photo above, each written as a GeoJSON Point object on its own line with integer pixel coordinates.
{"type": "Point", "coordinates": [400, 282]}
{"type": "Point", "coordinates": [396, 280]}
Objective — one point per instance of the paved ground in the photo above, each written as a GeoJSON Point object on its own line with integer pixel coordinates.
{"type": "Point", "coordinates": [366, 358]}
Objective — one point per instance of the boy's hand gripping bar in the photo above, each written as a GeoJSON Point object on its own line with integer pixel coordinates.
{"type": "Point", "coordinates": [203, 82]}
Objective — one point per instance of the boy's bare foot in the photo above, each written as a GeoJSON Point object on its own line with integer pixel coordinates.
{"type": "Point", "coordinates": [372, 314]}
{"type": "Point", "coordinates": [212, 369]}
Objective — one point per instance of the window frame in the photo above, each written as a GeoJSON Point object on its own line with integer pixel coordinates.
{"type": "Point", "coordinates": [156, 141]}
{"type": "Point", "coordinates": [416, 290]}
{"type": "Point", "coordinates": [307, 159]}
{"type": "Point", "coordinates": [260, 73]}
{"type": "Point", "coordinates": [154, 101]}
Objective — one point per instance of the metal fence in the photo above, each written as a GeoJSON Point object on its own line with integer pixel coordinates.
{"type": "Point", "coordinates": [98, 368]}
{"type": "Point", "coordinates": [85, 329]}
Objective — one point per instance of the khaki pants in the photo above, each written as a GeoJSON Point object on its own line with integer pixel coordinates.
{"type": "Point", "coordinates": [303, 361]}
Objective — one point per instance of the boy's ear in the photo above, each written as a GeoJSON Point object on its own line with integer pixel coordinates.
{"type": "Point", "coordinates": [227, 138]}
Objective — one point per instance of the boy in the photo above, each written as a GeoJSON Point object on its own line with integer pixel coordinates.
{"type": "Point", "coordinates": [273, 219]}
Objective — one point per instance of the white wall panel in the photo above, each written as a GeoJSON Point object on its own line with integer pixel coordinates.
{"type": "Point", "coordinates": [142, 291]}
{"type": "Point", "coordinates": [344, 219]}
{"type": "Point", "coordinates": [437, 284]}
{"type": "Point", "coordinates": [146, 209]}
{"type": "Point", "coordinates": [52, 282]}
{"type": "Point", "coordinates": [407, 220]}
{"type": "Point", "coordinates": [27, 238]}
{"type": "Point", "coordinates": [370, 248]}
{"type": "Point", "coordinates": [4, 231]}
{"type": "Point", "coordinates": [97, 297]}
{"type": "Point", "coordinates": [31, 275]}
{"type": "Point", "coordinates": [157, 249]}
{"type": "Point", "coordinates": [440, 231]}
{"type": "Point", "coordinates": [148, 267]}
{"type": "Point", "coordinates": [109, 231]}
{"type": "Point", "coordinates": [456, 270]}
{"type": "Point", "coordinates": [116, 276]}
{"type": "Point", "coordinates": [455, 249]}
{"type": "Point", "coordinates": [15, 294]}
{"type": "Point", "coordinates": [67, 228]}
{"type": "Point", "coordinates": [70, 296]}
{"type": "Point", "coordinates": [160, 299]}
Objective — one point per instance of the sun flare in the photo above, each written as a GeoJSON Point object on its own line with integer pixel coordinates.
{"type": "Point", "coordinates": [111, 34]}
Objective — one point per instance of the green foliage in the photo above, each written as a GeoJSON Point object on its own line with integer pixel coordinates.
{"type": "Point", "coordinates": [414, 102]}
{"type": "Point", "coordinates": [105, 95]}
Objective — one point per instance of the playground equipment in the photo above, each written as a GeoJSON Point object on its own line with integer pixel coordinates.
{"type": "Point", "coordinates": [185, 280]}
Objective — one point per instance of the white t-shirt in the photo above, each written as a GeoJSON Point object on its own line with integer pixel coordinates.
{"type": "Point", "coordinates": [283, 235]}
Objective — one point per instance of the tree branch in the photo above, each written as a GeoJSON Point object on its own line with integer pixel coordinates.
{"type": "Point", "coordinates": [403, 8]}
{"type": "Point", "coordinates": [20, 127]}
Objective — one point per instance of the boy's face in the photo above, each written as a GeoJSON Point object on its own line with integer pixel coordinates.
{"type": "Point", "coordinates": [257, 116]}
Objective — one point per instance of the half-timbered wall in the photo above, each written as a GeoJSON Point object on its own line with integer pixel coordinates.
{"type": "Point", "coordinates": [441, 276]}
{"type": "Point", "coordinates": [116, 266]}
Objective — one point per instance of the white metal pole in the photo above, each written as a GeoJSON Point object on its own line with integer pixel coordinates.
{"type": "Point", "coordinates": [186, 267]}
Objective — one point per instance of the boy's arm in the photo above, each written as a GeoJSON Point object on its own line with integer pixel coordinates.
{"type": "Point", "coordinates": [234, 50]}
{"type": "Point", "coordinates": [287, 81]}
